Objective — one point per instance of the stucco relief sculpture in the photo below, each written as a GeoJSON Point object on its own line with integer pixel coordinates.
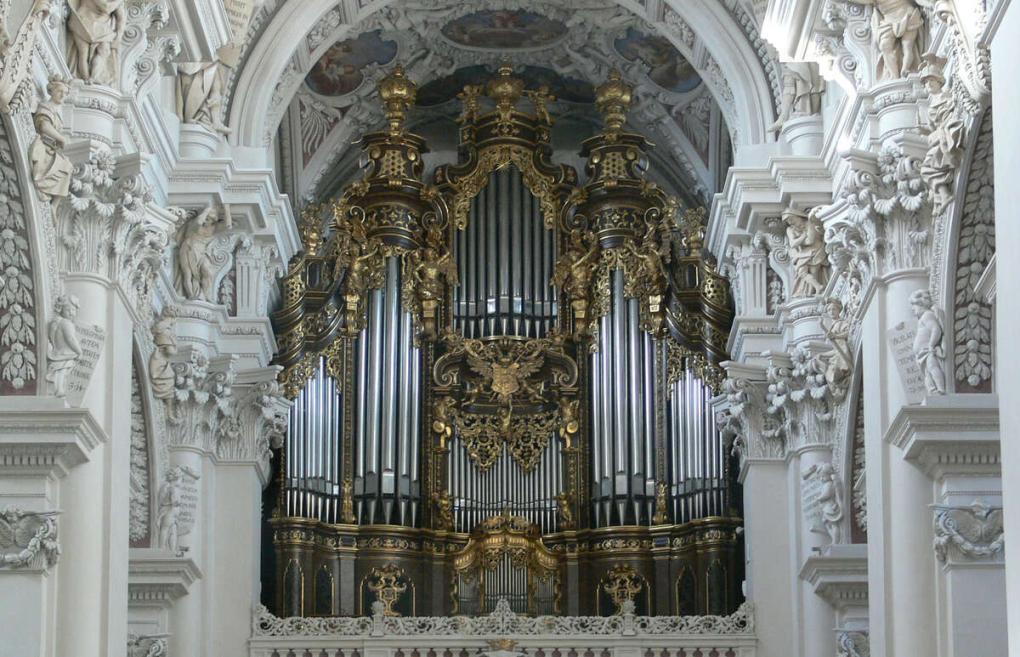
{"type": "Point", "coordinates": [161, 371]}
{"type": "Point", "coordinates": [51, 170]}
{"type": "Point", "coordinates": [95, 31]}
{"type": "Point", "coordinates": [896, 29]}
{"type": "Point", "coordinates": [16, 53]}
{"type": "Point", "coordinates": [200, 94]}
{"type": "Point", "coordinates": [806, 240]}
{"type": "Point", "coordinates": [929, 349]}
{"type": "Point", "coordinates": [197, 266]}
{"type": "Point", "coordinates": [945, 137]}
{"type": "Point", "coordinates": [838, 361]}
{"type": "Point", "coordinates": [146, 646]}
{"type": "Point", "coordinates": [28, 538]}
{"type": "Point", "coordinates": [829, 500]}
{"type": "Point", "coordinates": [802, 92]}
{"type": "Point", "coordinates": [64, 349]}
{"type": "Point", "coordinates": [976, 530]}
{"type": "Point", "coordinates": [170, 504]}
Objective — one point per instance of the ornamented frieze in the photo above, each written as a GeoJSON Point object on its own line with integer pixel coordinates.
{"type": "Point", "coordinates": [28, 539]}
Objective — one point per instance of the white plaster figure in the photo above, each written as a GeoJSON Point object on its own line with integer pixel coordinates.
{"type": "Point", "coordinates": [928, 343]}
{"type": "Point", "coordinates": [51, 170]}
{"type": "Point", "coordinates": [95, 30]}
{"type": "Point", "coordinates": [64, 347]}
{"type": "Point", "coordinates": [196, 271]}
{"type": "Point", "coordinates": [806, 240]}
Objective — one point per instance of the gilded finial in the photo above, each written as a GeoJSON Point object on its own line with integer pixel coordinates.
{"type": "Point", "coordinates": [310, 227]}
{"type": "Point", "coordinates": [505, 89]}
{"type": "Point", "coordinates": [613, 98]}
{"type": "Point", "coordinates": [398, 93]}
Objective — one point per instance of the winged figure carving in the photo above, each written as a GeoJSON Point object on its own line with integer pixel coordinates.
{"type": "Point", "coordinates": [25, 535]}
{"type": "Point", "coordinates": [506, 373]}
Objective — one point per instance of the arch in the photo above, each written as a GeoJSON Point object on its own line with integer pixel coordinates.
{"type": "Point", "coordinates": [300, 32]}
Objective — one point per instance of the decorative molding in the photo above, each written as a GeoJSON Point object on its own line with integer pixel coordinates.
{"type": "Point", "coordinates": [28, 539]}
{"type": "Point", "coordinates": [949, 434]}
{"type": "Point", "coordinates": [41, 437]}
{"type": "Point", "coordinates": [157, 578]}
{"type": "Point", "coordinates": [853, 643]}
{"type": "Point", "coordinates": [839, 574]}
{"type": "Point", "coordinates": [975, 531]}
{"type": "Point", "coordinates": [504, 622]}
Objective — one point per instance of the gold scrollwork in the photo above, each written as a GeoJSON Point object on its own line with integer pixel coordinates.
{"type": "Point", "coordinates": [622, 583]}
{"type": "Point", "coordinates": [385, 582]}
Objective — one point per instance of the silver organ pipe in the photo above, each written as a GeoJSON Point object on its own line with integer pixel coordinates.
{"type": "Point", "coordinates": [314, 474]}
{"type": "Point", "coordinates": [504, 259]}
{"type": "Point", "coordinates": [388, 435]}
{"type": "Point", "coordinates": [478, 495]}
{"type": "Point", "coordinates": [697, 476]}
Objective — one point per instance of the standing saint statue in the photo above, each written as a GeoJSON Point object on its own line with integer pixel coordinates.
{"type": "Point", "coordinates": [196, 268]}
{"type": "Point", "coordinates": [95, 30]}
{"type": "Point", "coordinates": [64, 347]}
{"type": "Point", "coordinates": [200, 95]}
{"type": "Point", "coordinates": [896, 28]}
{"type": "Point", "coordinates": [802, 92]}
{"type": "Point", "coordinates": [168, 515]}
{"type": "Point", "coordinates": [945, 137]}
{"type": "Point", "coordinates": [928, 348]}
{"type": "Point", "coordinates": [830, 500]}
{"type": "Point", "coordinates": [51, 170]}
{"type": "Point", "coordinates": [806, 240]}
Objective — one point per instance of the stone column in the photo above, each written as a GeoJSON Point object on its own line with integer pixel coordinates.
{"type": "Point", "coordinates": [92, 606]}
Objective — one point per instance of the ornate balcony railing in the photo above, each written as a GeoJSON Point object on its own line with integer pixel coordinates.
{"type": "Point", "coordinates": [504, 633]}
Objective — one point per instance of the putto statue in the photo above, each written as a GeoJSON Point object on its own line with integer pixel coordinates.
{"type": "Point", "coordinates": [64, 348]}
{"type": "Point", "coordinates": [945, 139]}
{"type": "Point", "coordinates": [95, 30]}
{"type": "Point", "coordinates": [51, 170]}
{"type": "Point", "coordinates": [196, 269]}
{"type": "Point", "coordinates": [928, 343]}
{"type": "Point", "coordinates": [830, 501]}
{"type": "Point", "coordinates": [200, 95]}
{"type": "Point", "coordinates": [806, 240]}
{"type": "Point", "coordinates": [896, 28]}
{"type": "Point", "coordinates": [802, 92]}
{"type": "Point", "coordinates": [168, 518]}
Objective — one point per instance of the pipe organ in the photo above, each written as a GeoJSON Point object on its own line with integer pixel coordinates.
{"type": "Point", "coordinates": [503, 380]}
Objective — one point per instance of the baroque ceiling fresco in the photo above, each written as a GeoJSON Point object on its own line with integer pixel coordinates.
{"type": "Point", "coordinates": [567, 51]}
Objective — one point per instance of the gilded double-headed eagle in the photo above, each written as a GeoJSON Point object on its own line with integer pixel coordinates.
{"type": "Point", "coordinates": [507, 375]}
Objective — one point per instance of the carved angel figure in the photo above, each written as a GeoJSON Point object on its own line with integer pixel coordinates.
{"type": "Point", "coordinates": [51, 170]}
{"type": "Point", "coordinates": [802, 92]}
{"type": "Point", "coordinates": [928, 343]}
{"type": "Point", "coordinates": [830, 500]}
{"type": "Point", "coordinates": [838, 362]}
{"type": "Point", "coordinates": [200, 94]}
{"type": "Point", "coordinates": [161, 373]}
{"type": "Point", "coordinates": [64, 347]}
{"type": "Point", "coordinates": [170, 502]}
{"type": "Point", "coordinates": [196, 267]}
{"type": "Point", "coordinates": [652, 254]}
{"type": "Point", "coordinates": [805, 237]}
{"type": "Point", "coordinates": [975, 530]}
{"type": "Point", "coordinates": [945, 139]}
{"type": "Point", "coordinates": [95, 30]}
{"type": "Point", "coordinates": [430, 265]}
{"type": "Point", "coordinates": [25, 535]}
{"type": "Point", "coordinates": [896, 28]}
{"type": "Point", "coordinates": [566, 514]}
{"type": "Point", "coordinates": [575, 268]}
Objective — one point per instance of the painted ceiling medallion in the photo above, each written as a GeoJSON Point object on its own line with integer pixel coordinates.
{"type": "Point", "coordinates": [504, 30]}
{"type": "Point", "coordinates": [666, 66]}
{"type": "Point", "coordinates": [341, 70]}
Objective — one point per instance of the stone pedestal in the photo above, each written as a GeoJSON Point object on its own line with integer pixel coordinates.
{"type": "Point", "coordinates": [805, 135]}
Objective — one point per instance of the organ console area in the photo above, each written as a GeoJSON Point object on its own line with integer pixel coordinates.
{"type": "Point", "coordinates": [502, 379]}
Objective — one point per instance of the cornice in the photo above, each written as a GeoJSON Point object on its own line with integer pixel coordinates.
{"type": "Point", "coordinates": [39, 435]}
{"type": "Point", "coordinates": [951, 434]}
{"type": "Point", "coordinates": [158, 577]}
{"type": "Point", "coordinates": [839, 575]}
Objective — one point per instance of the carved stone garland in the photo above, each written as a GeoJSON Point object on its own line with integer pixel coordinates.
{"type": "Point", "coordinates": [972, 316]}
{"type": "Point", "coordinates": [139, 523]}
{"type": "Point", "coordinates": [18, 360]}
